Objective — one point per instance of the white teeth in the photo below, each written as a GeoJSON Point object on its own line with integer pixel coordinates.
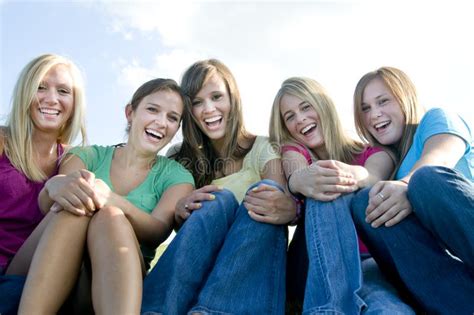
{"type": "Point", "coordinates": [155, 133]}
{"type": "Point", "coordinates": [49, 111]}
{"type": "Point", "coordinates": [382, 124]}
{"type": "Point", "coordinates": [212, 119]}
{"type": "Point", "coordinates": [307, 128]}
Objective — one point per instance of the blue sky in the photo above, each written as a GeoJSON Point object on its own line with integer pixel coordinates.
{"type": "Point", "coordinates": [120, 45]}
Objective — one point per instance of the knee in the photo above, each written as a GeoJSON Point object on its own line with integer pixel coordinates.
{"type": "Point", "coordinates": [107, 218]}
{"type": "Point", "coordinates": [267, 182]}
{"type": "Point", "coordinates": [425, 175]}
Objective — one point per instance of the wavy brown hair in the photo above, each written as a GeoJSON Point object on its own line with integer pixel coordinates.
{"type": "Point", "coordinates": [197, 153]}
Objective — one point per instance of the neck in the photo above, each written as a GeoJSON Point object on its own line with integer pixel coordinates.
{"type": "Point", "coordinates": [44, 144]}
{"type": "Point", "coordinates": [129, 156]}
{"type": "Point", "coordinates": [218, 145]}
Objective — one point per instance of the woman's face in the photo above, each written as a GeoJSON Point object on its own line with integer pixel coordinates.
{"type": "Point", "coordinates": [301, 121]}
{"type": "Point", "coordinates": [54, 102]}
{"type": "Point", "coordinates": [211, 108]}
{"type": "Point", "coordinates": [155, 121]}
{"type": "Point", "coordinates": [381, 113]}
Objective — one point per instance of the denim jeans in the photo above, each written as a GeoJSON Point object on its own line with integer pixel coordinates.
{"type": "Point", "coordinates": [10, 287]}
{"type": "Point", "coordinates": [221, 261]}
{"type": "Point", "coordinates": [410, 252]}
{"type": "Point", "coordinates": [335, 282]}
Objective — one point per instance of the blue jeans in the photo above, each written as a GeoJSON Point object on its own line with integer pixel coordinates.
{"type": "Point", "coordinates": [410, 252]}
{"type": "Point", "coordinates": [10, 287]}
{"type": "Point", "coordinates": [221, 261]}
{"type": "Point", "coordinates": [334, 284]}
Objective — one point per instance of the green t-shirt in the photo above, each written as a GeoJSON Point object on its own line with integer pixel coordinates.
{"type": "Point", "coordinates": [164, 174]}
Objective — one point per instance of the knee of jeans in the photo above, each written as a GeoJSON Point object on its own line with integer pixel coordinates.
{"type": "Point", "coordinates": [423, 176]}
{"type": "Point", "coordinates": [268, 182]}
{"type": "Point", "coordinates": [359, 204]}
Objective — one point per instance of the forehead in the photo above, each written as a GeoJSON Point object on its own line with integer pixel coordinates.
{"type": "Point", "coordinates": [60, 74]}
{"type": "Point", "coordinates": [213, 83]}
{"type": "Point", "coordinates": [166, 99]}
{"type": "Point", "coordinates": [289, 102]}
{"type": "Point", "coordinates": [374, 89]}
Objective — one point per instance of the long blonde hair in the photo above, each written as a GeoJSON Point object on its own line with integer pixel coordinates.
{"type": "Point", "coordinates": [404, 91]}
{"type": "Point", "coordinates": [19, 127]}
{"type": "Point", "coordinates": [338, 145]}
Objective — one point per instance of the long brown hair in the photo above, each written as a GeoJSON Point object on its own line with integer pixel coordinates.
{"type": "Point", "coordinates": [197, 153]}
{"type": "Point", "coordinates": [404, 91]}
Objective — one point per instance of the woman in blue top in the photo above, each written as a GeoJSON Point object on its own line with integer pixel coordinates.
{"type": "Point", "coordinates": [110, 200]}
{"type": "Point", "coordinates": [410, 222]}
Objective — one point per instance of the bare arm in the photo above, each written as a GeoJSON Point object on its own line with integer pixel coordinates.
{"type": "Point", "coordinates": [388, 202]}
{"type": "Point", "coordinates": [71, 190]}
{"type": "Point", "coordinates": [152, 229]}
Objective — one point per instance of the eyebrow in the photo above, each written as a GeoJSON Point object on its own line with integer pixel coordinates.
{"type": "Point", "coordinates": [158, 105]}
{"type": "Point", "coordinates": [302, 103]}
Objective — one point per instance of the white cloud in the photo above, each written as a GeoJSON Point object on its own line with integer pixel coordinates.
{"type": "Point", "coordinates": [265, 42]}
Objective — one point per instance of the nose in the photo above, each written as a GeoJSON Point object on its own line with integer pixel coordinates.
{"type": "Point", "coordinates": [300, 117]}
{"type": "Point", "coordinates": [376, 113]}
{"type": "Point", "coordinates": [160, 120]}
{"type": "Point", "coordinates": [50, 96]}
{"type": "Point", "coordinates": [209, 107]}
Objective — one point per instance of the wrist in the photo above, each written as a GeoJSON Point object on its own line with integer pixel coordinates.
{"type": "Point", "coordinates": [299, 202]}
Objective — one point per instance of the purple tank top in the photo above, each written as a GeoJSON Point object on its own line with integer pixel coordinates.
{"type": "Point", "coordinates": [19, 210]}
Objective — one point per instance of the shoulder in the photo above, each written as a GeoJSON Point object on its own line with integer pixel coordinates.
{"type": "Point", "coordinates": [3, 136]}
{"type": "Point", "coordinates": [173, 150]}
{"type": "Point", "coordinates": [438, 121]}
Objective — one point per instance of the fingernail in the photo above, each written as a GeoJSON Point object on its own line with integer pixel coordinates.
{"type": "Point", "coordinates": [212, 197]}
{"type": "Point", "coordinates": [255, 188]}
{"type": "Point", "coordinates": [220, 187]}
{"type": "Point", "coordinates": [199, 205]}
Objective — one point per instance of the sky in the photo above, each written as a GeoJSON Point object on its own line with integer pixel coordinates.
{"type": "Point", "coordinates": [121, 44]}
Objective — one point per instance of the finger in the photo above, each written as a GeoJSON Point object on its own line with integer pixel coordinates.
{"type": "Point", "coordinates": [327, 168]}
{"type": "Point", "coordinates": [254, 208]}
{"type": "Point", "coordinates": [377, 188]}
{"type": "Point", "coordinates": [264, 187]}
{"type": "Point", "coordinates": [377, 211]}
{"type": "Point", "coordinates": [87, 175]}
{"type": "Point", "coordinates": [261, 218]}
{"type": "Point", "coordinates": [208, 189]}
{"type": "Point", "coordinates": [66, 206]}
{"type": "Point", "coordinates": [398, 218]}
{"type": "Point", "coordinates": [386, 216]}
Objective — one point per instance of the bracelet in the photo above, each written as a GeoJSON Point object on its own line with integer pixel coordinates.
{"type": "Point", "coordinates": [288, 184]}
{"type": "Point", "coordinates": [401, 180]}
{"type": "Point", "coordinates": [299, 209]}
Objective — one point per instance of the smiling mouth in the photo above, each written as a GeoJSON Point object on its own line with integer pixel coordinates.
{"type": "Point", "coordinates": [382, 126]}
{"type": "Point", "coordinates": [49, 111]}
{"type": "Point", "coordinates": [155, 134]}
{"type": "Point", "coordinates": [213, 121]}
{"type": "Point", "coordinates": [306, 130]}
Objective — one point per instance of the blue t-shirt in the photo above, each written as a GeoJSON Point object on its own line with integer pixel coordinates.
{"type": "Point", "coordinates": [438, 121]}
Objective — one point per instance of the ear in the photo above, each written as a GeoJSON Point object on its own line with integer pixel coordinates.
{"type": "Point", "coordinates": [128, 113]}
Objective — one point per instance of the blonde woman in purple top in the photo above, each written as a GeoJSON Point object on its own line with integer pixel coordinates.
{"type": "Point", "coordinates": [47, 114]}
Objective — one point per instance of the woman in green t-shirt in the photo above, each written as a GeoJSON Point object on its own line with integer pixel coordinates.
{"type": "Point", "coordinates": [109, 201]}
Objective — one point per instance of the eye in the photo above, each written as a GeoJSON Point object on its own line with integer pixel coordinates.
{"type": "Point", "coordinates": [365, 108]}
{"type": "Point", "coordinates": [151, 109]}
{"type": "Point", "coordinates": [64, 91]}
{"type": "Point", "coordinates": [383, 101]}
{"type": "Point", "coordinates": [216, 97]}
{"type": "Point", "coordinates": [196, 102]}
{"type": "Point", "coordinates": [289, 117]}
{"type": "Point", "coordinates": [173, 118]}
{"type": "Point", "coordinates": [42, 87]}
{"type": "Point", "coordinates": [306, 107]}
